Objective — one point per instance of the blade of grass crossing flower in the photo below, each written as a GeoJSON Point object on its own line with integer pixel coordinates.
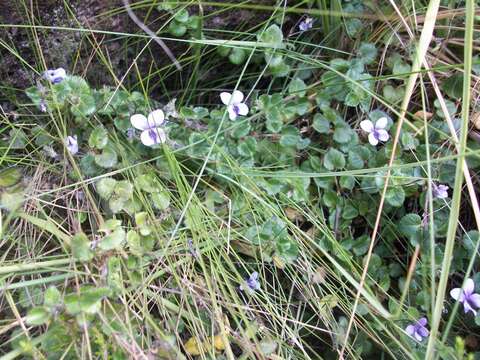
{"type": "Point", "coordinates": [425, 38]}
{"type": "Point", "coordinates": [456, 198]}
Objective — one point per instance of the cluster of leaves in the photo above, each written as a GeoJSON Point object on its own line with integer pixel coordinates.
{"type": "Point", "coordinates": [181, 21]}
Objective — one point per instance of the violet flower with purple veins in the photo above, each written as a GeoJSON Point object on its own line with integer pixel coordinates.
{"type": "Point", "coordinates": [306, 24]}
{"type": "Point", "coordinates": [466, 296]}
{"type": "Point", "coordinates": [376, 132]}
{"type": "Point", "coordinates": [152, 133]}
{"type": "Point", "coordinates": [235, 105]}
{"type": "Point", "coordinates": [251, 284]}
{"type": "Point", "coordinates": [418, 330]}
{"type": "Point", "coordinates": [72, 144]}
{"type": "Point", "coordinates": [55, 75]}
{"type": "Point", "coordinates": [439, 191]}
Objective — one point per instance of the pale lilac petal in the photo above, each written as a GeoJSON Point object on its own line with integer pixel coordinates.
{"type": "Point", "coordinates": [367, 126]}
{"type": "Point", "coordinates": [139, 121]}
{"type": "Point", "coordinates": [254, 275]}
{"type": "Point", "coordinates": [467, 308]}
{"type": "Point", "coordinates": [237, 97]}
{"type": "Point", "coordinates": [225, 97]}
{"type": "Point", "coordinates": [242, 109]}
{"type": "Point", "coordinates": [372, 139]}
{"type": "Point", "coordinates": [55, 76]}
{"type": "Point", "coordinates": [71, 143]}
{"type": "Point", "coordinates": [381, 123]}
{"type": "Point", "coordinates": [422, 321]}
{"type": "Point", "coordinates": [383, 135]}
{"type": "Point", "coordinates": [469, 287]}
{"type": "Point", "coordinates": [418, 337]}
{"type": "Point", "coordinates": [457, 294]}
{"type": "Point", "coordinates": [422, 331]}
{"type": "Point", "coordinates": [475, 300]}
{"type": "Point", "coordinates": [154, 136]}
{"type": "Point", "coordinates": [410, 330]}
{"type": "Point", "coordinates": [232, 114]}
{"type": "Point", "coordinates": [156, 118]}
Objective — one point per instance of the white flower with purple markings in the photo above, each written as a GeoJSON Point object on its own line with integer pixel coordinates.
{"type": "Point", "coordinates": [251, 284]}
{"type": "Point", "coordinates": [306, 24]}
{"type": "Point", "coordinates": [377, 132]}
{"type": "Point", "coordinates": [152, 133]}
{"type": "Point", "coordinates": [55, 76]}
{"type": "Point", "coordinates": [235, 104]}
{"type": "Point", "coordinates": [439, 191]}
{"type": "Point", "coordinates": [71, 143]}
{"type": "Point", "coordinates": [418, 329]}
{"type": "Point", "coordinates": [467, 297]}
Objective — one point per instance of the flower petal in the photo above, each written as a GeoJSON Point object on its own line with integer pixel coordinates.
{"type": "Point", "coordinates": [410, 330]}
{"type": "Point", "coordinates": [225, 97]}
{"type": "Point", "coordinates": [242, 109]}
{"type": "Point", "coordinates": [139, 121]}
{"type": "Point", "coordinates": [156, 118]}
{"type": "Point", "coordinates": [372, 139]}
{"type": "Point", "coordinates": [367, 126]}
{"type": "Point", "coordinates": [418, 336]}
{"type": "Point", "coordinates": [254, 275]}
{"type": "Point", "coordinates": [422, 331]}
{"type": "Point", "coordinates": [475, 300]}
{"type": "Point", "coordinates": [231, 112]}
{"type": "Point", "coordinates": [383, 135]}
{"type": "Point", "coordinates": [237, 97]}
{"type": "Point", "coordinates": [457, 294]}
{"type": "Point", "coordinates": [469, 287]}
{"type": "Point", "coordinates": [423, 321]}
{"type": "Point", "coordinates": [154, 136]}
{"type": "Point", "coordinates": [381, 123]}
{"type": "Point", "coordinates": [467, 308]}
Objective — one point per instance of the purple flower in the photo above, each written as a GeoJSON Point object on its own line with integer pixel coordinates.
{"type": "Point", "coordinates": [376, 132]}
{"type": "Point", "coordinates": [235, 105]}
{"type": "Point", "coordinates": [439, 191]}
{"type": "Point", "coordinates": [418, 330]}
{"type": "Point", "coordinates": [55, 75]}
{"type": "Point", "coordinates": [152, 133]}
{"type": "Point", "coordinates": [466, 296]}
{"type": "Point", "coordinates": [306, 24]}
{"type": "Point", "coordinates": [251, 284]}
{"type": "Point", "coordinates": [72, 144]}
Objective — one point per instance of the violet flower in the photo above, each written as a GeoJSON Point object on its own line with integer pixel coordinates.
{"type": "Point", "coordinates": [376, 132]}
{"type": "Point", "coordinates": [418, 329]}
{"type": "Point", "coordinates": [152, 133]}
{"type": "Point", "coordinates": [72, 144]}
{"type": "Point", "coordinates": [467, 297]}
{"type": "Point", "coordinates": [55, 75]}
{"type": "Point", "coordinates": [439, 191]}
{"type": "Point", "coordinates": [235, 105]}
{"type": "Point", "coordinates": [251, 284]}
{"type": "Point", "coordinates": [306, 24]}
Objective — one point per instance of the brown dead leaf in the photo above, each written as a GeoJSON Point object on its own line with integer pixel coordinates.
{"type": "Point", "coordinates": [423, 114]}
